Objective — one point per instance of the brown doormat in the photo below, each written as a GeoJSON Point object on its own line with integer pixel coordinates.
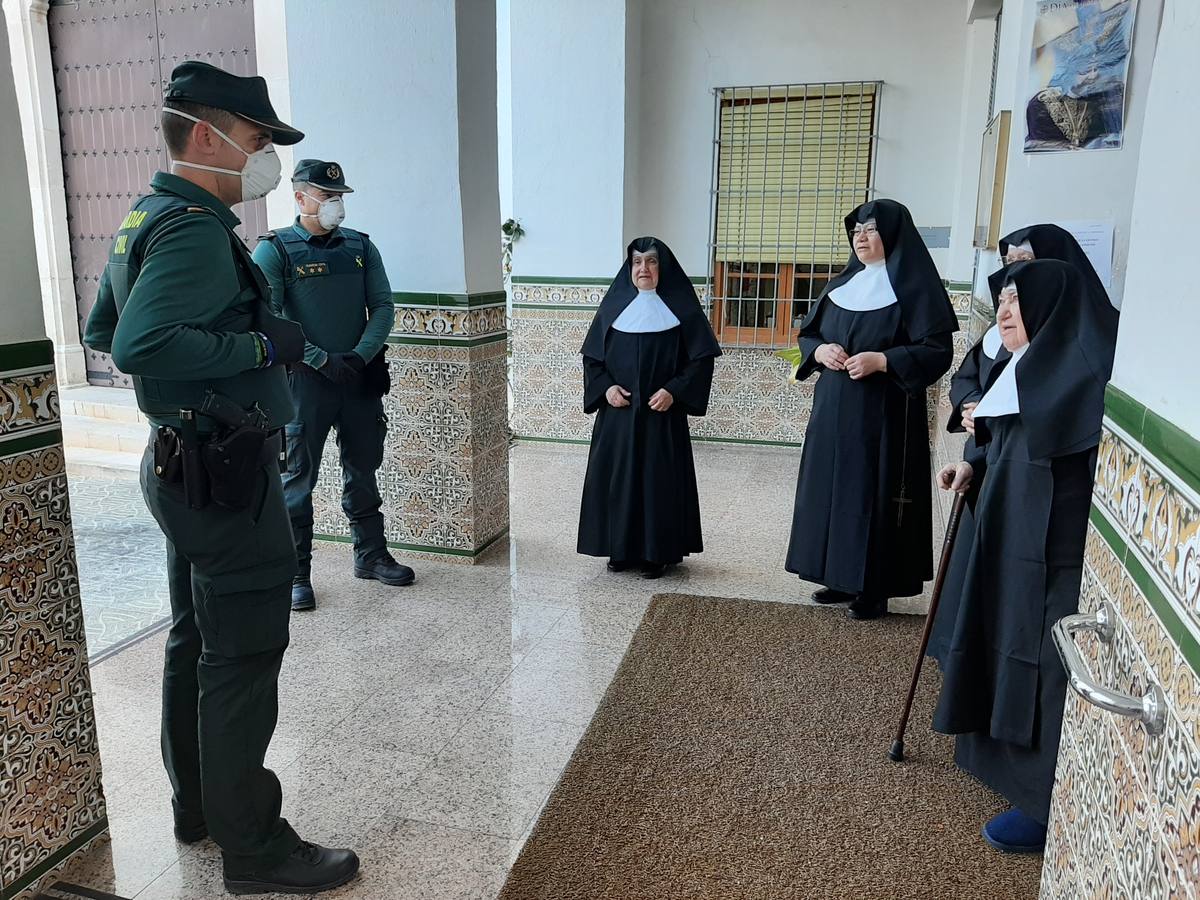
{"type": "Point", "coordinates": [741, 753]}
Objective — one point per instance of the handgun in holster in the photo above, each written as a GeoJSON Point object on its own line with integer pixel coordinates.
{"type": "Point", "coordinates": [195, 479]}
{"type": "Point", "coordinates": [234, 455]}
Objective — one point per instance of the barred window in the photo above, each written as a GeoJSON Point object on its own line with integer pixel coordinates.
{"type": "Point", "coordinates": [789, 161]}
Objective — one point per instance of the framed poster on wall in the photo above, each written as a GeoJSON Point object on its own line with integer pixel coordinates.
{"type": "Point", "coordinates": [993, 165]}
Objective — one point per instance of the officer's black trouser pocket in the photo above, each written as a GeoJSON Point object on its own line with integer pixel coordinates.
{"type": "Point", "coordinates": [241, 621]}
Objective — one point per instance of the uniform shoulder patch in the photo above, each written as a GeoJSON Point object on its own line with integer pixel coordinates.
{"type": "Point", "coordinates": [269, 236]}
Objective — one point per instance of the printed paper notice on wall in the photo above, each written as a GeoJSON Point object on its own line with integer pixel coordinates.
{"type": "Point", "coordinates": [1096, 239]}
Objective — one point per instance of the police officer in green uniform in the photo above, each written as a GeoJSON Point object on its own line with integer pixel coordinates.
{"type": "Point", "coordinates": [331, 280]}
{"type": "Point", "coordinates": [183, 309]}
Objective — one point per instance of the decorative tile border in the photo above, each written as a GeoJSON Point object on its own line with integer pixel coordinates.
{"type": "Point", "coordinates": [51, 800]}
{"type": "Point", "coordinates": [1125, 818]}
{"type": "Point", "coordinates": [448, 324]}
{"type": "Point", "coordinates": [444, 479]}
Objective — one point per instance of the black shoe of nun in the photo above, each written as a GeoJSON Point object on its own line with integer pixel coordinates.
{"type": "Point", "coordinates": [618, 565]}
{"type": "Point", "coordinates": [863, 608]}
{"type": "Point", "coordinates": [828, 595]}
{"type": "Point", "coordinates": [650, 570]}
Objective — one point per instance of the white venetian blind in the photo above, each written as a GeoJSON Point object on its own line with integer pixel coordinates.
{"type": "Point", "coordinates": [791, 162]}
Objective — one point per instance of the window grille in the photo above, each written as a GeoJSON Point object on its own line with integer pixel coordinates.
{"type": "Point", "coordinates": [789, 161]}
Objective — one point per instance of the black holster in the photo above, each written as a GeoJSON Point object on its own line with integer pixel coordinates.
{"type": "Point", "coordinates": [232, 461]}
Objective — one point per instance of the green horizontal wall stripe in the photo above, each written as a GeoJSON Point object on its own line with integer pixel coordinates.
{"type": "Point", "coordinates": [419, 548]}
{"type": "Point", "coordinates": [434, 341]}
{"type": "Point", "coordinates": [26, 879]}
{"type": "Point", "coordinates": [1127, 413]}
{"type": "Point", "coordinates": [456, 301]}
{"type": "Point", "coordinates": [18, 445]}
{"type": "Point", "coordinates": [26, 355]}
{"type": "Point", "coordinates": [958, 286]}
{"type": "Point", "coordinates": [568, 280]}
{"type": "Point", "coordinates": [1173, 447]}
{"type": "Point", "coordinates": [1171, 620]}
{"type": "Point", "coordinates": [1160, 440]}
{"type": "Point", "coordinates": [550, 440]}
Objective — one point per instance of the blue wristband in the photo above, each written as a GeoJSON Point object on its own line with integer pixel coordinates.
{"type": "Point", "coordinates": [267, 348]}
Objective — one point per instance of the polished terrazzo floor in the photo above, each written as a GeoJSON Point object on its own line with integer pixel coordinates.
{"type": "Point", "coordinates": [425, 726]}
{"type": "Point", "coordinates": [121, 559]}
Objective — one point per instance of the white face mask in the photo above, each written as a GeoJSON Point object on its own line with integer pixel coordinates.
{"type": "Point", "coordinates": [259, 176]}
{"type": "Point", "coordinates": [330, 213]}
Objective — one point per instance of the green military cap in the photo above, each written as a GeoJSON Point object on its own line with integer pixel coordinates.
{"type": "Point", "coordinates": [198, 82]}
{"type": "Point", "coordinates": [328, 176]}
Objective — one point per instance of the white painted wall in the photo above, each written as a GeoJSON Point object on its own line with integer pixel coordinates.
{"type": "Point", "coordinates": [21, 316]}
{"type": "Point", "coordinates": [504, 105]}
{"type": "Point", "coordinates": [568, 121]}
{"type": "Point", "coordinates": [388, 112]}
{"type": "Point", "coordinates": [691, 46]}
{"type": "Point", "coordinates": [271, 56]}
{"type": "Point", "coordinates": [477, 144]}
{"type": "Point", "coordinates": [1071, 186]}
{"type": "Point", "coordinates": [1160, 318]}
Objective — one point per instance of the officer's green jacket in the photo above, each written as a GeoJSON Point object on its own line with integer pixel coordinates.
{"type": "Point", "coordinates": [185, 325]}
{"type": "Point", "coordinates": [334, 285]}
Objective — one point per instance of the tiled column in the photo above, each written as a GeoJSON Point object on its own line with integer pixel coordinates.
{"type": "Point", "coordinates": [51, 802]}
{"type": "Point", "coordinates": [424, 168]}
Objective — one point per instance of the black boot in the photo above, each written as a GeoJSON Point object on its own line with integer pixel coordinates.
{"type": "Point", "coordinates": [616, 565]}
{"type": "Point", "coordinates": [302, 594]}
{"type": "Point", "coordinates": [384, 568]}
{"type": "Point", "coordinates": [309, 870]}
{"type": "Point", "coordinates": [829, 595]}
{"type": "Point", "coordinates": [653, 570]}
{"type": "Point", "coordinates": [868, 608]}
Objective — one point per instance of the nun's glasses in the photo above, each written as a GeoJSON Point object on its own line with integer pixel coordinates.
{"type": "Point", "coordinates": [869, 228]}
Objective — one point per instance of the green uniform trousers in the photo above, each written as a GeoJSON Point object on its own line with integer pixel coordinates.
{"type": "Point", "coordinates": [361, 429]}
{"type": "Point", "coordinates": [230, 575]}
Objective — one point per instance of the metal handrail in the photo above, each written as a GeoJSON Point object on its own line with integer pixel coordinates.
{"type": "Point", "coordinates": [1149, 709]}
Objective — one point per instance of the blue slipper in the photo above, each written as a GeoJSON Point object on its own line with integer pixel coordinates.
{"type": "Point", "coordinates": [1015, 832]}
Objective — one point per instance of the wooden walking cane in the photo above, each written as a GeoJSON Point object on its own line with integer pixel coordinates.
{"type": "Point", "coordinates": [896, 754]}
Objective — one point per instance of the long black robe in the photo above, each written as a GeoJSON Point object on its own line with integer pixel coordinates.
{"type": "Point", "coordinates": [1004, 688]}
{"type": "Point", "coordinates": [863, 520]}
{"type": "Point", "coordinates": [640, 501]}
{"type": "Point", "coordinates": [866, 440]}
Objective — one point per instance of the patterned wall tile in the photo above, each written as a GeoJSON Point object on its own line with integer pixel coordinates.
{"type": "Point", "coordinates": [1144, 521]}
{"type": "Point", "coordinates": [444, 479]}
{"type": "Point", "coordinates": [752, 400]}
{"type": "Point", "coordinates": [51, 799]}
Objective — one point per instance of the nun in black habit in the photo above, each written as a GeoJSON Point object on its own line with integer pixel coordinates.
{"type": "Point", "coordinates": [1037, 427]}
{"type": "Point", "coordinates": [880, 334]}
{"type": "Point", "coordinates": [648, 365]}
{"type": "Point", "coordinates": [968, 383]}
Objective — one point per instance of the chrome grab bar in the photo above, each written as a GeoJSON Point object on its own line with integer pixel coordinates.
{"type": "Point", "coordinates": [1150, 709]}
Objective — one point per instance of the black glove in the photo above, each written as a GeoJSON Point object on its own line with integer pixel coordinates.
{"type": "Point", "coordinates": [342, 368]}
{"type": "Point", "coordinates": [286, 337]}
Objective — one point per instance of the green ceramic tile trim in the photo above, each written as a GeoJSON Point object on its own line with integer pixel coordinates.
{"type": "Point", "coordinates": [19, 445]}
{"type": "Point", "coordinates": [8, 891]}
{"type": "Point", "coordinates": [435, 341]}
{"type": "Point", "coordinates": [695, 439]}
{"type": "Point", "coordinates": [559, 307]}
{"type": "Point", "coordinates": [957, 286]}
{"type": "Point", "coordinates": [449, 301]}
{"type": "Point", "coordinates": [420, 548]}
{"type": "Point", "coordinates": [1172, 622]}
{"type": "Point", "coordinates": [25, 355]}
{"type": "Point", "coordinates": [1127, 413]}
{"type": "Point", "coordinates": [1173, 447]}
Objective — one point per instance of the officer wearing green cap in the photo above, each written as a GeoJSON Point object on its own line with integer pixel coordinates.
{"type": "Point", "coordinates": [183, 309]}
{"type": "Point", "coordinates": [331, 280]}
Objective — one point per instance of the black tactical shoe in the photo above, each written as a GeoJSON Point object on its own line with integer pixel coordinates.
{"type": "Point", "coordinates": [385, 569]}
{"type": "Point", "coordinates": [302, 595]}
{"type": "Point", "coordinates": [309, 870]}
